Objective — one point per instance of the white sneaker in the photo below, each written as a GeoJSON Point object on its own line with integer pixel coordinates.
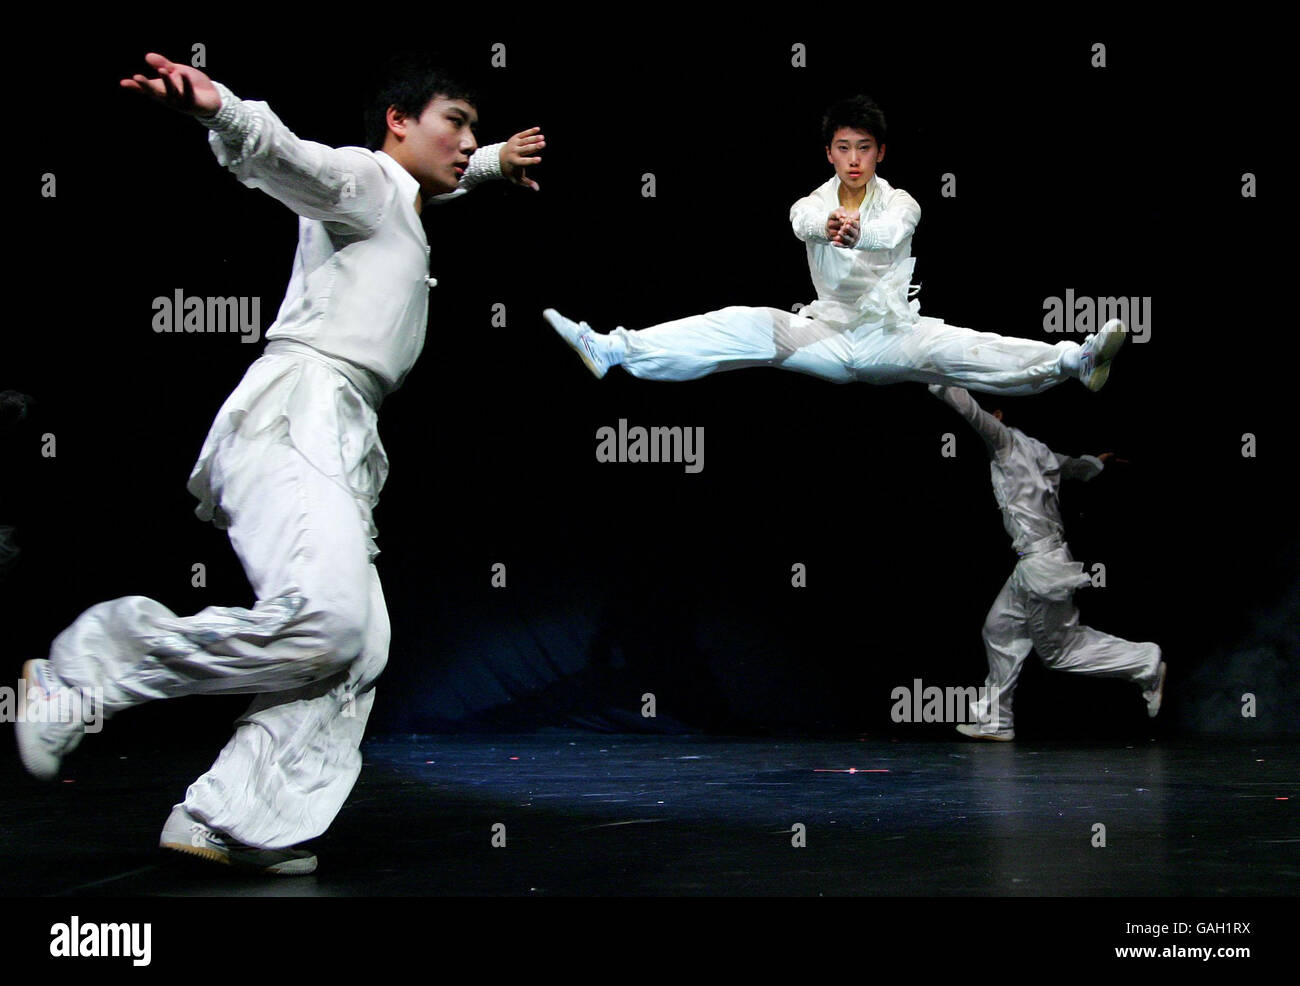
{"type": "Point", "coordinates": [184, 834]}
{"type": "Point", "coordinates": [1156, 695]}
{"type": "Point", "coordinates": [50, 725]}
{"type": "Point", "coordinates": [974, 732]}
{"type": "Point", "coordinates": [586, 343]}
{"type": "Point", "coordinates": [1097, 353]}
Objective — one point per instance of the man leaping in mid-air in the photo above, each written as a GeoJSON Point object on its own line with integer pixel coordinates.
{"type": "Point", "coordinates": [863, 325]}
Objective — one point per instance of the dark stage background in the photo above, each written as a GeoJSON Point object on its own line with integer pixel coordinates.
{"type": "Point", "coordinates": [627, 579]}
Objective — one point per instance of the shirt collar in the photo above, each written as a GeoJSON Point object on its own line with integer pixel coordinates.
{"type": "Point", "coordinates": [874, 188]}
{"type": "Point", "coordinates": [406, 183]}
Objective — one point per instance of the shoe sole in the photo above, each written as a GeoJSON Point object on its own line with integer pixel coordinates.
{"type": "Point", "coordinates": [1099, 377]}
{"type": "Point", "coordinates": [36, 761]}
{"type": "Point", "coordinates": [1154, 710]}
{"type": "Point", "coordinates": [290, 867]}
{"type": "Point", "coordinates": [1110, 346]}
{"type": "Point", "coordinates": [199, 852]}
{"type": "Point", "coordinates": [977, 735]}
{"type": "Point", "coordinates": [574, 344]}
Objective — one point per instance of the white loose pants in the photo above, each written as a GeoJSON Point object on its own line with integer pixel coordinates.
{"type": "Point", "coordinates": [815, 342]}
{"type": "Point", "coordinates": [1020, 621]}
{"type": "Point", "coordinates": [310, 648]}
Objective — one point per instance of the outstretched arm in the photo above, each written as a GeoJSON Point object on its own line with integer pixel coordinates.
{"type": "Point", "coordinates": [810, 221]}
{"type": "Point", "coordinates": [996, 435]}
{"type": "Point", "coordinates": [341, 185]}
{"type": "Point", "coordinates": [509, 159]}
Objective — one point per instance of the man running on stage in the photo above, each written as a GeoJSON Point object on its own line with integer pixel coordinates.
{"type": "Point", "coordinates": [292, 466]}
{"type": "Point", "coordinates": [1035, 609]}
{"type": "Point", "coordinates": [858, 230]}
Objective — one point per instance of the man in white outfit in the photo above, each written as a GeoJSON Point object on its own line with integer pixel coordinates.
{"type": "Point", "coordinates": [292, 466]}
{"type": "Point", "coordinates": [863, 325]}
{"type": "Point", "coordinates": [1035, 609]}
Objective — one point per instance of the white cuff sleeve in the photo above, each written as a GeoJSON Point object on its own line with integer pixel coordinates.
{"type": "Point", "coordinates": [234, 128]}
{"type": "Point", "coordinates": [484, 165]}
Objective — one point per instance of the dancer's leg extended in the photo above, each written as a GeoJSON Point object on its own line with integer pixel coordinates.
{"type": "Point", "coordinates": [932, 351]}
{"type": "Point", "coordinates": [728, 339]}
{"type": "Point", "coordinates": [313, 644]}
{"type": "Point", "coordinates": [298, 534]}
{"type": "Point", "coordinates": [927, 351]}
{"type": "Point", "coordinates": [1064, 644]}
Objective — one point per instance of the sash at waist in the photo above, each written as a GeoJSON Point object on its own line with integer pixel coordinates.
{"type": "Point", "coordinates": [367, 383]}
{"type": "Point", "coordinates": [1042, 546]}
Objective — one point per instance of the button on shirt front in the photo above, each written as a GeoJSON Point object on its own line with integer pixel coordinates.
{"type": "Point", "coordinates": [359, 290]}
{"type": "Point", "coordinates": [360, 295]}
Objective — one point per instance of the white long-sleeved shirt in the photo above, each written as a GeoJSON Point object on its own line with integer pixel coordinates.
{"type": "Point", "coordinates": [1027, 475]}
{"type": "Point", "coordinates": [360, 285]}
{"type": "Point", "coordinates": [871, 278]}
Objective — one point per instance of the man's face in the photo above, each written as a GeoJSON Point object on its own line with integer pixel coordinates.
{"type": "Point", "coordinates": [855, 155]}
{"type": "Point", "coordinates": [435, 148]}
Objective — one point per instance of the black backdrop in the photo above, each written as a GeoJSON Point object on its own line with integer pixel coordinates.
{"type": "Point", "coordinates": [627, 579]}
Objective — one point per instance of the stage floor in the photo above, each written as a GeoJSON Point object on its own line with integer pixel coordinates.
{"type": "Point", "coordinates": [594, 814]}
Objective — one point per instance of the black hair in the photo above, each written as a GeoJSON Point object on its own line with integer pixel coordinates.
{"type": "Point", "coordinates": [856, 113]}
{"type": "Point", "coordinates": [410, 82]}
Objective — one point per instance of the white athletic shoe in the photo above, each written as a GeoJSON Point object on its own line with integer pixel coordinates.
{"type": "Point", "coordinates": [50, 724]}
{"type": "Point", "coordinates": [1156, 695]}
{"type": "Point", "coordinates": [1098, 351]}
{"type": "Point", "coordinates": [974, 732]}
{"type": "Point", "coordinates": [184, 834]}
{"type": "Point", "coordinates": [584, 341]}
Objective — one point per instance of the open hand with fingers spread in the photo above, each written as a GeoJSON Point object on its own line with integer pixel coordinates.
{"type": "Point", "coordinates": [520, 151]}
{"type": "Point", "coordinates": [182, 87]}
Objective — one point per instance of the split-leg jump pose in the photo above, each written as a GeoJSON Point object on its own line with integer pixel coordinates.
{"type": "Point", "coordinates": [864, 324]}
